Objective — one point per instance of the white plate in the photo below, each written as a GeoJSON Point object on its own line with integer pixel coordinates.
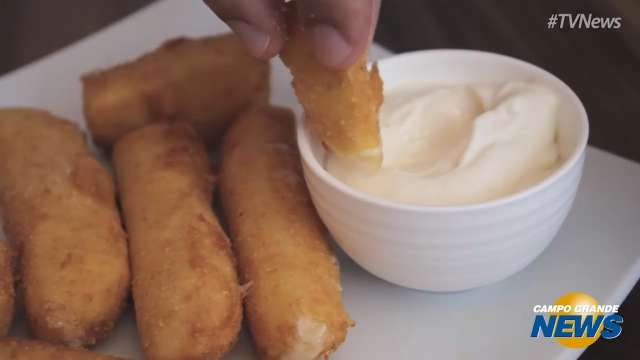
{"type": "Point", "coordinates": [597, 250]}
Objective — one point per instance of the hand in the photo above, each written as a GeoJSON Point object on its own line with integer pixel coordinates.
{"type": "Point", "coordinates": [340, 30]}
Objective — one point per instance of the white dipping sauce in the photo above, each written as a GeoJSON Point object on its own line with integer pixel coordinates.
{"type": "Point", "coordinates": [457, 145]}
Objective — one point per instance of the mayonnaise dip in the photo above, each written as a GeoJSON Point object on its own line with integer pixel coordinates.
{"type": "Point", "coordinates": [461, 144]}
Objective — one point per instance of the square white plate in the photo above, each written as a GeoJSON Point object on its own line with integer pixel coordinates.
{"type": "Point", "coordinates": [597, 251]}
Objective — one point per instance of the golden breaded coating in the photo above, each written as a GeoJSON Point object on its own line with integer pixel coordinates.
{"type": "Point", "coordinates": [16, 349]}
{"type": "Point", "coordinates": [340, 105]}
{"type": "Point", "coordinates": [7, 289]}
{"type": "Point", "coordinates": [206, 82]}
{"type": "Point", "coordinates": [58, 207]}
{"type": "Point", "coordinates": [185, 288]}
{"type": "Point", "coordinates": [294, 301]}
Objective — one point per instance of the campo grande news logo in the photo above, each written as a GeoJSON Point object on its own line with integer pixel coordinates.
{"type": "Point", "coordinates": [576, 320]}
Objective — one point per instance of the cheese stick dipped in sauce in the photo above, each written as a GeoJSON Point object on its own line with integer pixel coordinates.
{"type": "Point", "coordinates": [185, 288]}
{"type": "Point", "coordinates": [59, 210]}
{"type": "Point", "coordinates": [294, 298]}
{"type": "Point", "coordinates": [340, 105]}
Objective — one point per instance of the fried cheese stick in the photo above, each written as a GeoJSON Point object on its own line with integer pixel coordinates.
{"type": "Point", "coordinates": [58, 208]}
{"type": "Point", "coordinates": [294, 301]}
{"type": "Point", "coordinates": [17, 349]}
{"type": "Point", "coordinates": [7, 290]}
{"type": "Point", "coordinates": [185, 287]}
{"type": "Point", "coordinates": [341, 106]}
{"type": "Point", "coordinates": [206, 82]}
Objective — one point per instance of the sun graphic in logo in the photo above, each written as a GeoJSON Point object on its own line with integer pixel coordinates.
{"type": "Point", "coordinates": [578, 301]}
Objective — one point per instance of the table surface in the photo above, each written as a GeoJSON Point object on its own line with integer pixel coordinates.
{"type": "Point", "coordinates": [602, 66]}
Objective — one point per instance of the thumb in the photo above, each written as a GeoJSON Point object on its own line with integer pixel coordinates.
{"type": "Point", "coordinates": [340, 30]}
{"type": "Point", "coordinates": [258, 24]}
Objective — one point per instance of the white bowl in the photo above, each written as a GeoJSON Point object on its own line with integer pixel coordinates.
{"type": "Point", "coordinates": [452, 248]}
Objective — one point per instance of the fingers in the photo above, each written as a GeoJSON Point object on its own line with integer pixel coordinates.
{"type": "Point", "coordinates": [340, 30]}
{"type": "Point", "coordinates": [258, 23]}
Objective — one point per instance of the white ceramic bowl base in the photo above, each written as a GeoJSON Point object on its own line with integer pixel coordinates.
{"type": "Point", "coordinates": [452, 248]}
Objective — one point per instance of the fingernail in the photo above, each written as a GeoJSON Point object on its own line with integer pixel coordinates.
{"type": "Point", "coordinates": [255, 40]}
{"type": "Point", "coordinates": [329, 46]}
